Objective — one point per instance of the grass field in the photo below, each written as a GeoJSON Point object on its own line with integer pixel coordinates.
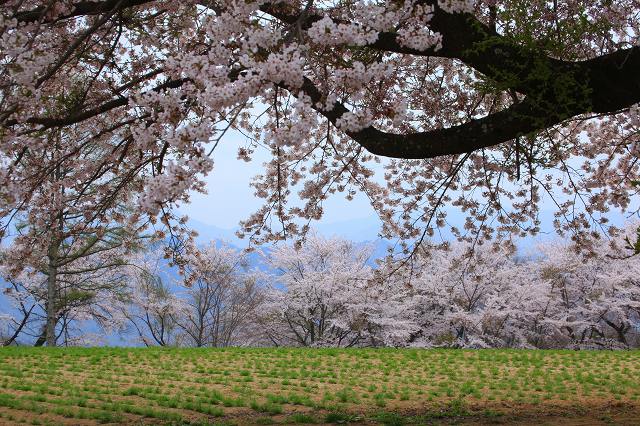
{"type": "Point", "coordinates": [296, 386]}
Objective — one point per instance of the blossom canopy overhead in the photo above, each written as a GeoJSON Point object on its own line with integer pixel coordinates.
{"type": "Point", "coordinates": [490, 106]}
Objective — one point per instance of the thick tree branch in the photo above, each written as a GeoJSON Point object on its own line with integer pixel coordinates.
{"type": "Point", "coordinates": [84, 8]}
{"type": "Point", "coordinates": [50, 122]}
{"type": "Point", "coordinates": [556, 90]}
{"type": "Point", "coordinates": [519, 119]}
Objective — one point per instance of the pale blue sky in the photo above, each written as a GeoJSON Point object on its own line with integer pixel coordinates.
{"type": "Point", "coordinates": [230, 198]}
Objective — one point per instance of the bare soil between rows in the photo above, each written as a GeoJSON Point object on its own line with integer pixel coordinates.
{"type": "Point", "coordinates": [497, 414]}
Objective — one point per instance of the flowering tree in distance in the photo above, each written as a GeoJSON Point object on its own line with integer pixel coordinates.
{"type": "Point", "coordinates": [465, 296]}
{"type": "Point", "coordinates": [220, 297]}
{"type": "Point", "coordinates": [558, 297]}
{"type": "Point", "coordinates": [324, 295]}
{"type": "Point", "coordinates": [487, 105]}
{"type": "Point", "coordinates": [210, 305]}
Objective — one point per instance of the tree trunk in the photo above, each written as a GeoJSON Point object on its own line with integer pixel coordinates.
{"type": "Point", "coordinates": [42, 338]}
{"type": "Point", "coordinates": [52, 279]}
{"type": "Point", "coordinates": [620, 330]}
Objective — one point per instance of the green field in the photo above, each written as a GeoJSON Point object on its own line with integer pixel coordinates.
{"type": "Point", "coordinates": [295, 386]}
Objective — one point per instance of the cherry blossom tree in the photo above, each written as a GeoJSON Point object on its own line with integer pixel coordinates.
{"type": "Point", "coordinates": [462, 296]}
{"type": "Point", "coordinates": [557, 297]}
{"type": "Point", "coordinates": [220, 297]}
{"type": "Point", "coordinates": [324, 295]}
{"type": "Point", "coordinates": [212, 303]}
{"type": "Point", "coordinates": [489, 106]}
{"type": "Point", "coordinates": [63, 231]}
{"type": "Point", "coordinates": [591, 301]}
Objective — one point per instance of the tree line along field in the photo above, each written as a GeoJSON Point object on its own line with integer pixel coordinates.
{"type": "Point", "coordinates": [41, 386]}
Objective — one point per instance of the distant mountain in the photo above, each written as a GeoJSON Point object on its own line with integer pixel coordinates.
{"type": "Point", "coordinates": [365, 229]}
{"type": "Point", "coordinates": [208, 233]}
{"type": "Point", "coordinates": [359, 230]}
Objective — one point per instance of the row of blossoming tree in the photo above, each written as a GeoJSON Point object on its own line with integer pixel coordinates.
{"type": "Point", "coordinates": [330, 292]}
{"type": "Point", "coordinates": [494, 107]}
